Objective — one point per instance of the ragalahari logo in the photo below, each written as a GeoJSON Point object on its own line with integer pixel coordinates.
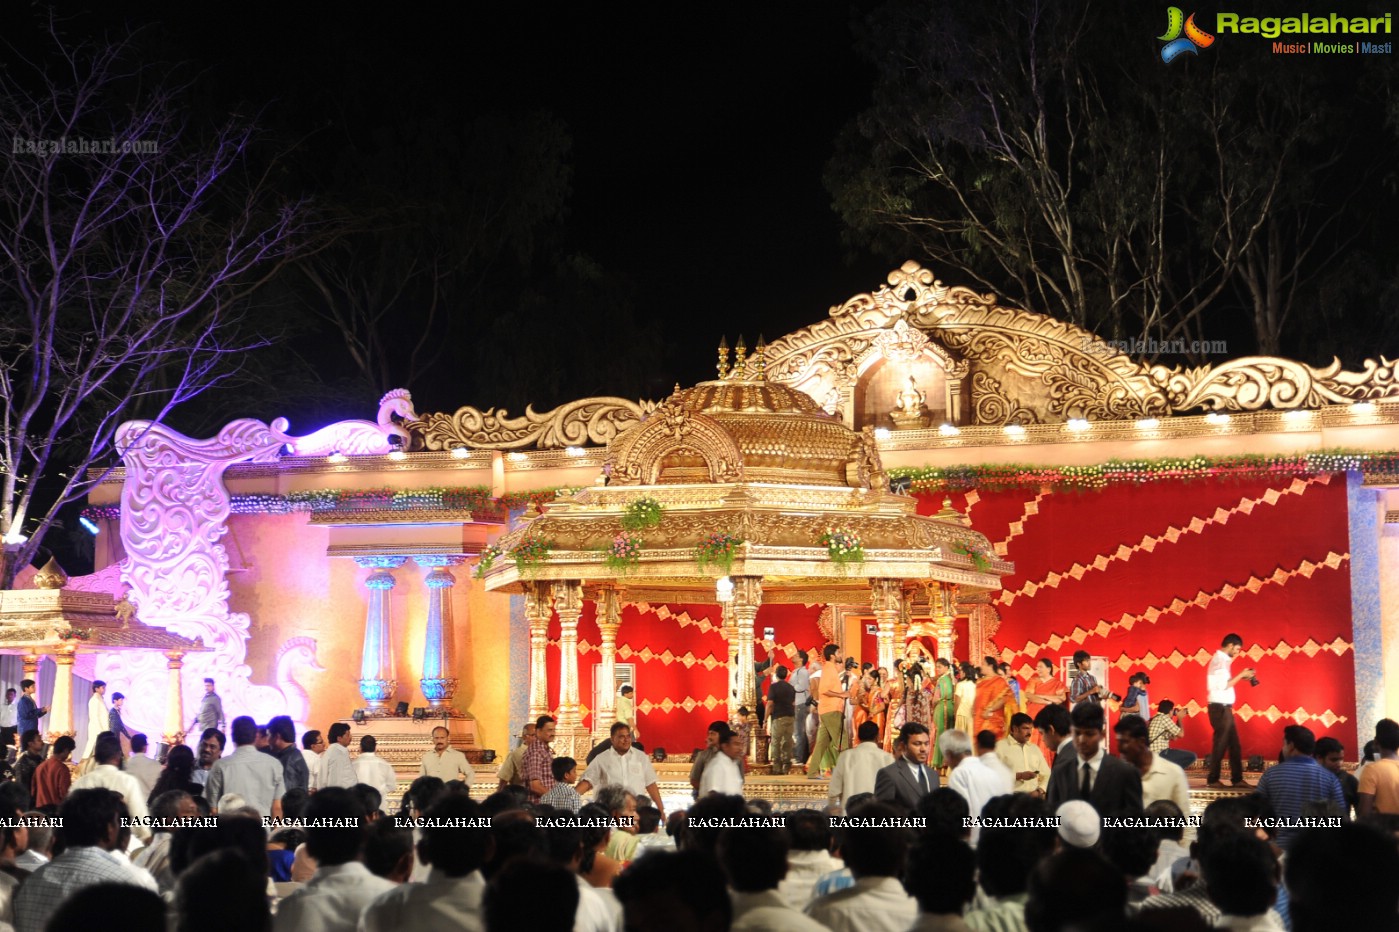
{"type": "Point", "coordinates": [1177, 44]}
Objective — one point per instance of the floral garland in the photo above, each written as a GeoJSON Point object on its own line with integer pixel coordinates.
{"type": "Point", "coordinates": [1239, 467]}
{"type": "Point", "coordinates": [717, 551]}
{"type": "Point", "coordinates": [624, 553]}
{"type": "Point", "coordinates": [843, 546]}
{"type": "Point", "coordinates": [487, 560]}
{"type": "Point", "coordinates": [530, 554]}
{"type": "Point", "coordinates": [642, 514]}
{"type": "Point", "coordinates": [980, 558]}
{"type": "Point", "coordinates": [319, 501]}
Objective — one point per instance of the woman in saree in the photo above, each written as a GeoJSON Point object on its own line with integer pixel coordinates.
{"type": "Point", "coordinates": [993, 695]}
{"type": "Point", "coordinates": [1044, 688]}
{"type": "Point", "coordinates": [859, 702]}
{"type": "Point", "coordinates": [943, 699]}
{"type": "Point", "coordinates": [879, 700]}
{"type": "Point", "coordinates": [1016, 704]}
{"type": "Point", "coordinates": [965, 694]}
{"type": "Point", "coordinates": [895, 707]}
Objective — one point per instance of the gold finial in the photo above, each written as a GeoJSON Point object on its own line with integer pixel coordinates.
{"type": "Point", "coordinates": [723, 357]}
{"type": "Point", "coordinates": [761, 362]}
{"type": "Point", "coordinates": [51, 576]}
{"type": "Point", "coordinates": [740, 357]}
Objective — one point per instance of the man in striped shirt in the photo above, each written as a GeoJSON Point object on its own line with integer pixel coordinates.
{"type": "Point", "coordinates": [1297, 781]}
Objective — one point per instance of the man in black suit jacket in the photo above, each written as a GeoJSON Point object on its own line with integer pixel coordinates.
{"type": "Point", "coordinates": [908, 779]}
{"type": "Point", "coordinates": [1114, 786]}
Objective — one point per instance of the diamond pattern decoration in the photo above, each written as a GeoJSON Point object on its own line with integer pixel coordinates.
{"type": "Point", "coordinates": [1255, 653]}
{"type": "Point", "coordinates": [1171, 535]}
{"type": "Point", "coordinates": [1017, 527]}
{"type": "Point", "coordinates": [688, 704]}
{"type": "Point", "coordinates": [1202, 599]}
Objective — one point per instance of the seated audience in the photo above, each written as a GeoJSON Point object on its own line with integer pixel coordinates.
{"type": "Point", "coordinates": [755, 862]}
{"type": "Point", "coordinates": [875, 856]}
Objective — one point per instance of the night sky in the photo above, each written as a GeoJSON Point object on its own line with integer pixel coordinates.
{"type": "Point", "coordinates": [698, 142]}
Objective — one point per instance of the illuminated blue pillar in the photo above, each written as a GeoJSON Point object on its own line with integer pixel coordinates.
{"type": "Point", "coordinates": [439, 646]}
{"type": "Point", "coordinates": [377, 677]}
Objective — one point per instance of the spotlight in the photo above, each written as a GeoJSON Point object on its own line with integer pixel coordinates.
{"type": "Point", "coordinates": [419, 714]}
{"type": "Point", "coordinates": [15, 538]}
{"type": "Point", "coordinates": [724, 589]}
{"type": "Point", "coordinates": [460, 453]}
{"type": "Point", "coordinates": [576, 451]}
{"type": "Point", "coordinates": [947, 430]}
{"type": "Point", "coordinates": [1014, 430]}
{"type": "Point", "coordinates": [358, 716]}
{"type": "Point", "coordinates": [1296, 414]}
{"type": "Point", "coordinates": [882, 433]}
{"type": "Point", "coordinates": [1148, 423]}
{"type": "Point", "coordinates": [516, 456]}
{"type": "Point", "coordinates": [337, 457]}
{"type": "Point", "coordinates": [401, 710]}
{"type": "Point", "coordinates": [89, 526]}
{"type": "Point", "coordinates": [397, 455]}
{"type": "Point", "coordinates": [901, 485]}
{"type": "Point", "coordinates": [1214, 417]}
{"type": "Point", "coordinates": [1363, 408]}
{"type": "Point", "coordinates": [1077, 424]}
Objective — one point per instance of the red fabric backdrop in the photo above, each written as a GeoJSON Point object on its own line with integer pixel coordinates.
{"type": "Point", "coordinates": [1152, 577]}
{"type": "Point", "coordinates": [681, 671]}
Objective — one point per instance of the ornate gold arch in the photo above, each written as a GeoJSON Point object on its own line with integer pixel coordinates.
{"type": "Point", "coordinates": [638, 457]}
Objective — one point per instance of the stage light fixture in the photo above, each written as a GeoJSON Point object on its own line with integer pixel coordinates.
{"type": "Point", "coordinates": [397, 455]}
{"type": "Point", "coordinates": [1014, 430]}
{"type": "Point", "coordinates": [337, 457]}
{"type": "Point", "coordinates": [882, 433]}
{"type": "Point", "coordinates": [419, 714]}
{"type": "Point", "coordinates": [948, 430]}
{"type": "Point", "coordinates": [358, 716]}
{"type": "Point", "coordinates": [1217, 419]}
{"type": "Point", "coordinates": [1148, 423]}
{"type": "Point", "coordinates": [460, 453]}
{"type": "Point", "coordinates": [1077, 424]}
{"type": "Point", "coordinates": [1363, 408]}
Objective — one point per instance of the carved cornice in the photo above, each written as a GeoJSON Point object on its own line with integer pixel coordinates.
{"type": "Point", "coordinates": [593, 421]}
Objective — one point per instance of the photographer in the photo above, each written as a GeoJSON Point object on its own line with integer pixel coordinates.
{"type": "Point", "coordinates": [1220, 687]}
{"type": "Point", "coordinates": [1164, 728]}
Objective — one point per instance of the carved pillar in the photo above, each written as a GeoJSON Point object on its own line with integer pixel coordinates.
{"type": "Point", "coordinates": [902, 625]}
{"type": "Point", "coordinates": [729, 632]}
{"type": "Point", "coordinates": [174, 701]}
{"type": "Point", "coordinates": [537, 615]}
{"type": "Point", "coordinates": [377, 678]}
{"type": "Point", "coordinates": [61, 705]}
{"type": "Point", "coordinates": [439, 645]}
{"type": "Point", "coordinates": [568, 603]}
{"type": "Point", "coordinates": [886, 598]}
{"type": "Point", "coordinates": [747, 597]}
{"type": "Point", "coordinates": [31, 669]}
{"type": "Point", "coordinates": [609, 618]}
{"type": "Point", "coordinates": [943, 611]}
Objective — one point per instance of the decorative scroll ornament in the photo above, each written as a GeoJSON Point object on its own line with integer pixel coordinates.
{"type": "Point", "coordinates": [902, 343]}
{"type": "Point", "coordinates": [174, 511]}
{"type": "Point", "coordinates": [1267, 382]}
{"type": "Point", "coordinates": [579, 423]}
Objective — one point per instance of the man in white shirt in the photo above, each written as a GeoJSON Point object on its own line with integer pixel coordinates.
{"type": "Point", "coordinates": [809, 858]}
{"type": "Point", "coordinates": [312, 746]}
{"type": "Point", "coordinates": [986, 753]}
{"type": "Point", "coordinates": [1221, 709]}
{"type": "Point", "coordinates": [801, 683]}
{"type": "Point", "coordinates": [1161, 779]}
{"type": "Point", "coordinates": [9, 722]}
{"type": "Point", "coordinates": [1024, 758]}
{"type": "Point", "coordinates": [445, 762]}
{"type": "Point", "coordinates": [373, 770]}
{"type": "Point", "coordinates": [877, 902]}
{"type": "Point", "coordinates": [336, 769]}
{"type": "Point", "coordinates": [335, 896]}
{"type": "Point", "coordinates": [970, 777]}
{"type": "Point", "coordinates": [857, 768]}
{"type": "Point", "coordinates": [140, 766]}
{"type": "Point", "coordinates": [622, 765]}
{"type": "Point", "coordinates": [106, 773]}
{"type": "Point", "coordinates": [723, 774]}
{"type": "Point", "coordinates": [451, 897]}
{"type": "Point", "coordinates": [96, 718]}
{"type": "Point", "coordinates": [755, 861]}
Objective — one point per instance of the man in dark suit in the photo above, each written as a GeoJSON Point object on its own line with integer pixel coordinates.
{"type": "Point", "coordinates": [1111, 785]}
{"type": "Point", "coordinates": [908, 779]}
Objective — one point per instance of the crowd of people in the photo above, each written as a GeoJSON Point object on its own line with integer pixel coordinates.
{"type": "Point", "coordinates": [946, 830]}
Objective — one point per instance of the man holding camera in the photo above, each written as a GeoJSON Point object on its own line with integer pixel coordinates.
{"type": "Point", "coordinates": [1220, 687]}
